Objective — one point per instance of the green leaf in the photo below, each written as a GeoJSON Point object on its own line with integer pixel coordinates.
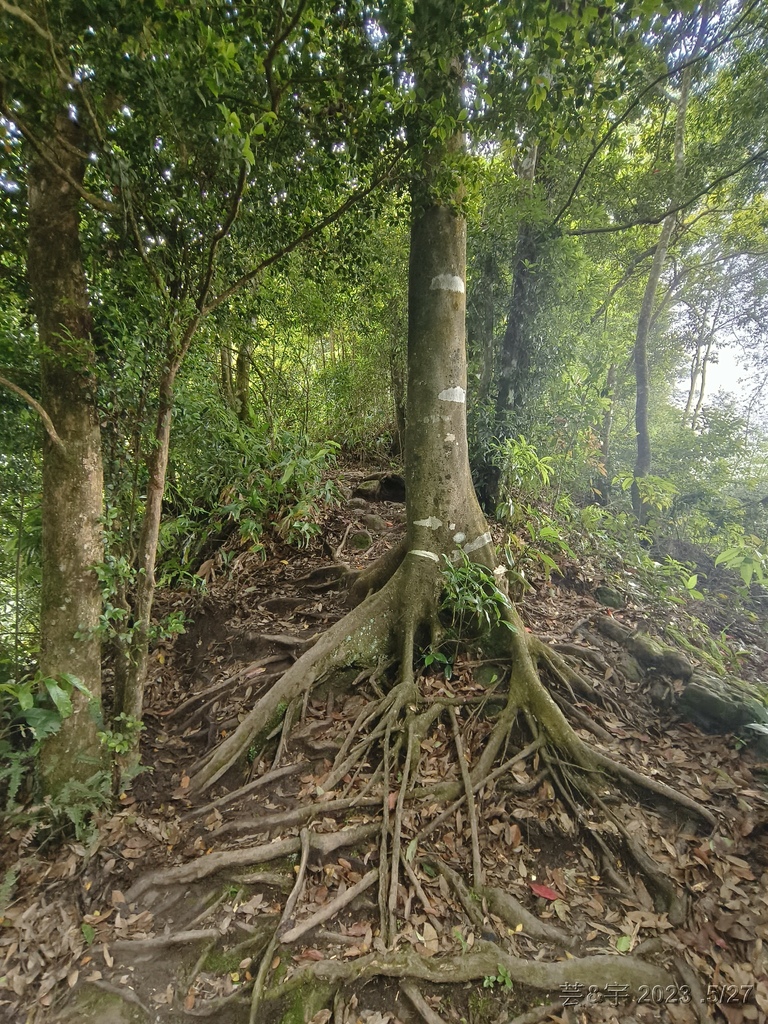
{"type": "Point", "coordinates": [74, 682]}
{"type": "Point", "coordinates": [59, 696]}
{"type": "Point", "coordinates": [89, 932]}
{"type": "Point", "coordinates": [43, 722]}
{"type": "Point", "coordinates": [623, 943]}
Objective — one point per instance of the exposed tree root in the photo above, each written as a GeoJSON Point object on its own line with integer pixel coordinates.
{"type": "Point", "coordinates": [331, 909]}
{"type": "Point", "coordinates": [477, 864]}
{"type": "Point", "coordinates": [204, 867]}
{"type": "Point", "coordinates": [538, 1013]}
{"type": "Point", "coordinates": [386, 736]}
{"type": "Point", "coordinates": [484, 960]}
{"type": "Point", "coordinates": [266, 960]}
{"type": "Point", "coordinates": [361, 637]}
{"type": "Point", "coordinates": [514, 914]}
{"type": "Point", "coordinates": [164, 941]}
{"type": "Point", "coordinates": [411, 992]}
{"type": "Point", "coordinates": [238, 794]}
{"type": "Point", "coordinates": [122, 992]}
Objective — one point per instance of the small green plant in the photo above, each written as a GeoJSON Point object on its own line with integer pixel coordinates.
{"type": "Point", "coordinates": [668, 582]}
{"type": "Point", "coordinates": [30, 712]}
{"type": "Point", "coordinates": [433, 657]}
{"type": "Point", "coordinates": [655, 491]}
{"type": "Point", "coordinates": [121, 738]}
{"type": "Point", "coordinates": [747, 559]}
{"type": "Point", "coordinates": [74, 808]}
{"type": "Point", "coordinates": [38, 705]}
{"type": "Point", "coordinates": [524, 474]}
{"type": "Point", "coordinates": [502, 978]}
{"type": "Point", "coordinates": [471, 597]}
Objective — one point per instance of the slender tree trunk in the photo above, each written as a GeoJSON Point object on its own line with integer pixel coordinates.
{"type": "Point", "coordinates": [487, 326]}
{"type": "Point", "coordinates": [72, 475]}
{"type": "Point", "coordinates": [398, 389]}
{"type": "Point", "coordinates": [605, 437]}
{"type": "Point", "coordinates": [515, 352]}
{"type": "Point", "coordinates": [129, 696]}
{"type": "Point", "coordinates": [693, 387]}
{"type": "Point", "coordinates": [702, 381]}
{"type": "Point", "coordinates": [643, 459]}
{"type": "Point", "coordinates": [227, 388]}
{"type": "Point", "coordinates": [243, 384]}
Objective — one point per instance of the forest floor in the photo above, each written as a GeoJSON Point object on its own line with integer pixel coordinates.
{"type": "Point", "coordinates": [168, 911]}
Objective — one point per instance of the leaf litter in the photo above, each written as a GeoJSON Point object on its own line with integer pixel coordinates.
{"type": "Point", "coordinates": [75, 918]}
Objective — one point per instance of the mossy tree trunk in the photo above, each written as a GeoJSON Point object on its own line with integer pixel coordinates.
{"type": "Point", "coordinates": [72, 472]}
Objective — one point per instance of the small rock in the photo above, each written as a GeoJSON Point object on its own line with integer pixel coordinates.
{"type": "Point", "coordinates": [629, 667]}
{"type": "Point", "coordinates": [361, 540]}
{"type": "Point", "coordinates": [373, 523]}
{"type": "Point", "coordinates": [609, 598]}
{"type": "Point", "coordinates": [369, 489]}
{"type": "Point", "coordinates": [719, 705]}
{"type": "Point", "coordinates": [357, 503]}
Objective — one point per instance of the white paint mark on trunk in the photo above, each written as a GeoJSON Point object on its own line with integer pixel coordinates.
{"type": "Point", "coordinates": [459, 538]}
{"type": "Point", "coordinates": [456, 394]}
{"type": "Point", "coordinates": [447, 283]}
{"type": "Point", "coordinates": [424, 554]}
{"type": "Point", "coordinates": [480, 542]}
{"type": "Point", "coordinates": [450, 437]}
{"type": "Point", "coordinates": [431, 524]}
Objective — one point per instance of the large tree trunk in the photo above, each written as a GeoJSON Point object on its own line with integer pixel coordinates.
{"type": "Point", "coordinates": [443, 512]}
{"type": "Point", "coordinates": [72, 474]}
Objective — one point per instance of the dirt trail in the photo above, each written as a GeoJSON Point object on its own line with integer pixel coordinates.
{"type": "Point", "coordinates": [181, 908]}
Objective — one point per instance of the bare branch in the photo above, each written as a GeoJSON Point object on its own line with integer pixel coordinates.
{"type": "Point", "coordinates": [331, 218]}
{"type": "Point", "coordinates": [97, 202]}
{"type": "Point", "coordinates": [610, 228]}
{"type": "Point", "coordinates": [222, 233]}
{"type": "Point", "coordinates": [688, 62]}
{"type": "Point", "coordinates": [17, 12]}
{"type": "Point", "coordinates": [47, 421]}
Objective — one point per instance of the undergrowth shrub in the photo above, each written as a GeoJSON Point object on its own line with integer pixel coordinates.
{"type": "Point", "coordinates": [249, 486]}
{"type": "Point", "coordinates": [31, 711]}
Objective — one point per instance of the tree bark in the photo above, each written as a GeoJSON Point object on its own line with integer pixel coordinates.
{"type": "Point", "coordinates": [515, 352]}
{"type": "Point", "coordinates": [604, 483]}
{"type": "Point", "coordinates": [486, 325]}
{"type": "Point", "coordinates": [702, 381]}
{"type": "Point", "coordinates": [243, 384]}
{"type": "Point", "coordinates": [443, 512]}
{"type": "Point", "coordinates": [131, 679]}
{"type": "Point", "coordinates": [72, 473]}
{"type": "Point", "coordinates": [227, 388]}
